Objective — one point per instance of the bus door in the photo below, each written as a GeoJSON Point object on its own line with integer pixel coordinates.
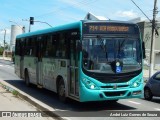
{"type": "Point", "coordinates": [39, 63]}
{"type": "Point", "coordinates": [74, 69]}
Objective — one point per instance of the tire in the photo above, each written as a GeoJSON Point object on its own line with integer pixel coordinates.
{"type": "Point", "coordinates": [147, 94]}
{"type": "Point", "coordinates": [27, 81]}
{"type": "Point", "coordinates": [61, 91]}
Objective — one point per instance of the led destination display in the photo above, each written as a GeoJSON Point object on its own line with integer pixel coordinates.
{"type": "Point", "coordinates": [110, 28]}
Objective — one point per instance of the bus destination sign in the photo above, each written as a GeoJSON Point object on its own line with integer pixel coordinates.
{"type": "Point", "coordinates": [102, 28]}
{"type": "Point", "coordinates": [109, 28]}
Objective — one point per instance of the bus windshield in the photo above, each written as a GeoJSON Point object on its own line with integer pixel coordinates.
{"type": "Point", "coordinates": [99, 53]}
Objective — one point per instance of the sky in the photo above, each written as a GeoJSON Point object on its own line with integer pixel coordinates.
{"type": "Point", "coordinates": [58, 12]}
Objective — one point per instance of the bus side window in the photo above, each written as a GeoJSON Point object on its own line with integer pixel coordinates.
{"type": "Point", "coordinates": [58, 49]}
{"type": "Point", "coordinates": [17, 50]}
{"type": "Point", "coordinates": [62, 45]}
{"type": "Point", "coordinates": [55, 41]}
{"type": "Point", "coordinates": [61, 48]}
{"type": "Point", "coordinates": [39, 47]}
{"type": "Point", "coordinates": [49, 45]}
{"type": "Point", "coordinates": [27, 47]}
{"type": "Point", "coordinates": [43, 45]}
{"type": "Point", "coordinates": [33, 46]}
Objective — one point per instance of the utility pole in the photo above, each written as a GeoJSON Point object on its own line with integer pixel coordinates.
{"type": "Point", "coordinates": [4, 43]}
{"type": "Point", "coordinates": [152, 53]}
{"type": "Point", "coordinates": [4, 38]}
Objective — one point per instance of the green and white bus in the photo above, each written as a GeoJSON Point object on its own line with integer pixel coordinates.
{"type": "Point", "coordinates": [84, 61]}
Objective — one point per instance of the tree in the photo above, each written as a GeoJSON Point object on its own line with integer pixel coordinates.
{"type": "Point", "coordinates": [1, 50]}
{"type": "Point", "coordinates": [6, 46]}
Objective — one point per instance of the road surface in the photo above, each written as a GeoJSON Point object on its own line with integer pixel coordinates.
{"type": "Point", "coordinates": [76, 110]}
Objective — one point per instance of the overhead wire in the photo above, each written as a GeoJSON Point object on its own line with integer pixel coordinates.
{"type": "Point", "coordinates": [59, 10]}
{"type": "Point", "coordinates": [141, 11]}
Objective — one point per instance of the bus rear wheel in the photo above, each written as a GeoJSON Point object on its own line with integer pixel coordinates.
{"type": "Point", "coordinates": [61, 91]}
{"type": "Point", "coordinates": [27, 79]}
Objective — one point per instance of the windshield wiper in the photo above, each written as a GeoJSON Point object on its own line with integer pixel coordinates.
{"type": "Point", "coordinates": [120, 47]}
{"type": "Point", "coordinates": [103, 46]}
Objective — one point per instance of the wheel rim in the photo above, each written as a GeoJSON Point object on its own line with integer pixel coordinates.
{"type": "Point", "coordinates": [147, 93]}
{"type": "Point", "coordinates": [61, 90]}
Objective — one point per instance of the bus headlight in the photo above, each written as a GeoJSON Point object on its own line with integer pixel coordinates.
{"type": "Point", "coordinates": [92, 86]}
{"type": "Point", "coordinates": [137, 83]}
{"type": "Point", "coordinates": [89, 84]}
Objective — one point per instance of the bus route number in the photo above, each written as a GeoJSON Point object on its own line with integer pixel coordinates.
{"type": "Point", "coordinates": [103, 28]}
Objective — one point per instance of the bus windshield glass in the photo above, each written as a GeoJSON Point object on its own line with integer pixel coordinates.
{"type": "Point", "coordinates": [99, 54]}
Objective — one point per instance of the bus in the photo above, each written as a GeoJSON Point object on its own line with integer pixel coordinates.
{"type": "Point", "coordinates": [84, 61]}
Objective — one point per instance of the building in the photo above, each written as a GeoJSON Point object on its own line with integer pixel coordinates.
{"type": "Point", "coordinates": [146, 33]}
{"type": "Point", "coordinates": [15, 30]}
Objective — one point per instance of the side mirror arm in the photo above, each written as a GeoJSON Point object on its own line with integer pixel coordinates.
{"type": "Point", "coordinates": [143, 50]}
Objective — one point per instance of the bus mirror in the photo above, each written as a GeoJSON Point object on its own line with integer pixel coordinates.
{"type": "Point", "coordinates": [79, 46]}
{"type": "Point", "coordinates": [143, 49]}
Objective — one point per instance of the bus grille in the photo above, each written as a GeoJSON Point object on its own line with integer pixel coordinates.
{"type": "Point", "coordinates": [111, 94]}
{"type": "Point", "coordinates": [114, 79]}
{"type": "Point", "coordinates": [119, 86]}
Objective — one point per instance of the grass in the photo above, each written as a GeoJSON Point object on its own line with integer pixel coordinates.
{"type": "Point", "coordinates": [14, 92]}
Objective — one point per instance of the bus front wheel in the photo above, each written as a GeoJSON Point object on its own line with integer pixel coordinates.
{"type": "Point", "coordinates": [61, 91]}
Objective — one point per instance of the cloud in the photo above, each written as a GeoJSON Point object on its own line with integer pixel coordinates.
{"type": "Point", "coordinates": [84, 5]}
{"type": "Point", "coordinates": [129, 14]}
{"type": "Point", "coordinates": [8, 31]}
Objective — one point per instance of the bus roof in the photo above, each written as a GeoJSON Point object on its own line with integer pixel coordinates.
{"type": "Point", "coordinates": [68, 26]}
{"type": "Point", "coordinates": [49, 30]}
{"type": "Point", "coordinates": [108, 21]}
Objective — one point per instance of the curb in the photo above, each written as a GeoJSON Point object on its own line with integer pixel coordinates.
{"type": "Point", "coordinates": [38, 104]}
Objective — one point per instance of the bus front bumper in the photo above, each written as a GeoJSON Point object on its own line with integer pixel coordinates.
{"type": "Point", "coordinates": [115, 94]}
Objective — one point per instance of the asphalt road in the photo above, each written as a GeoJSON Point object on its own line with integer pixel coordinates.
{"type": "Point", "coordinates": [76, 110]}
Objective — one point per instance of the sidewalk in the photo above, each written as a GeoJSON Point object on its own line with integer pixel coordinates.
{"type": "Point", "coordinates": [5, 58]}
{"type": "Point", "coordinates": [17, 108]}
{"type": "Point", "coordinates": [33, 101]}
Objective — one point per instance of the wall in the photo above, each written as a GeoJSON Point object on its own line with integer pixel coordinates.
{"type": "Point", "coordinates": [146, 31]}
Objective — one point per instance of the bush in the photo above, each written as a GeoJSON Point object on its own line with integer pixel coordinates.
{"type": "Point", "coordinates": [1, 51]}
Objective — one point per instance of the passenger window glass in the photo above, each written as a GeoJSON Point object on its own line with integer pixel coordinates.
{"type": "Point", "coordinates": [61, 49]}
{"type": "Point", "coordinates": [17, 50]}
{"type": "Point", "coordinates": [49, 52]}
{"type": "Point", "coordinates": [30, 48]}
